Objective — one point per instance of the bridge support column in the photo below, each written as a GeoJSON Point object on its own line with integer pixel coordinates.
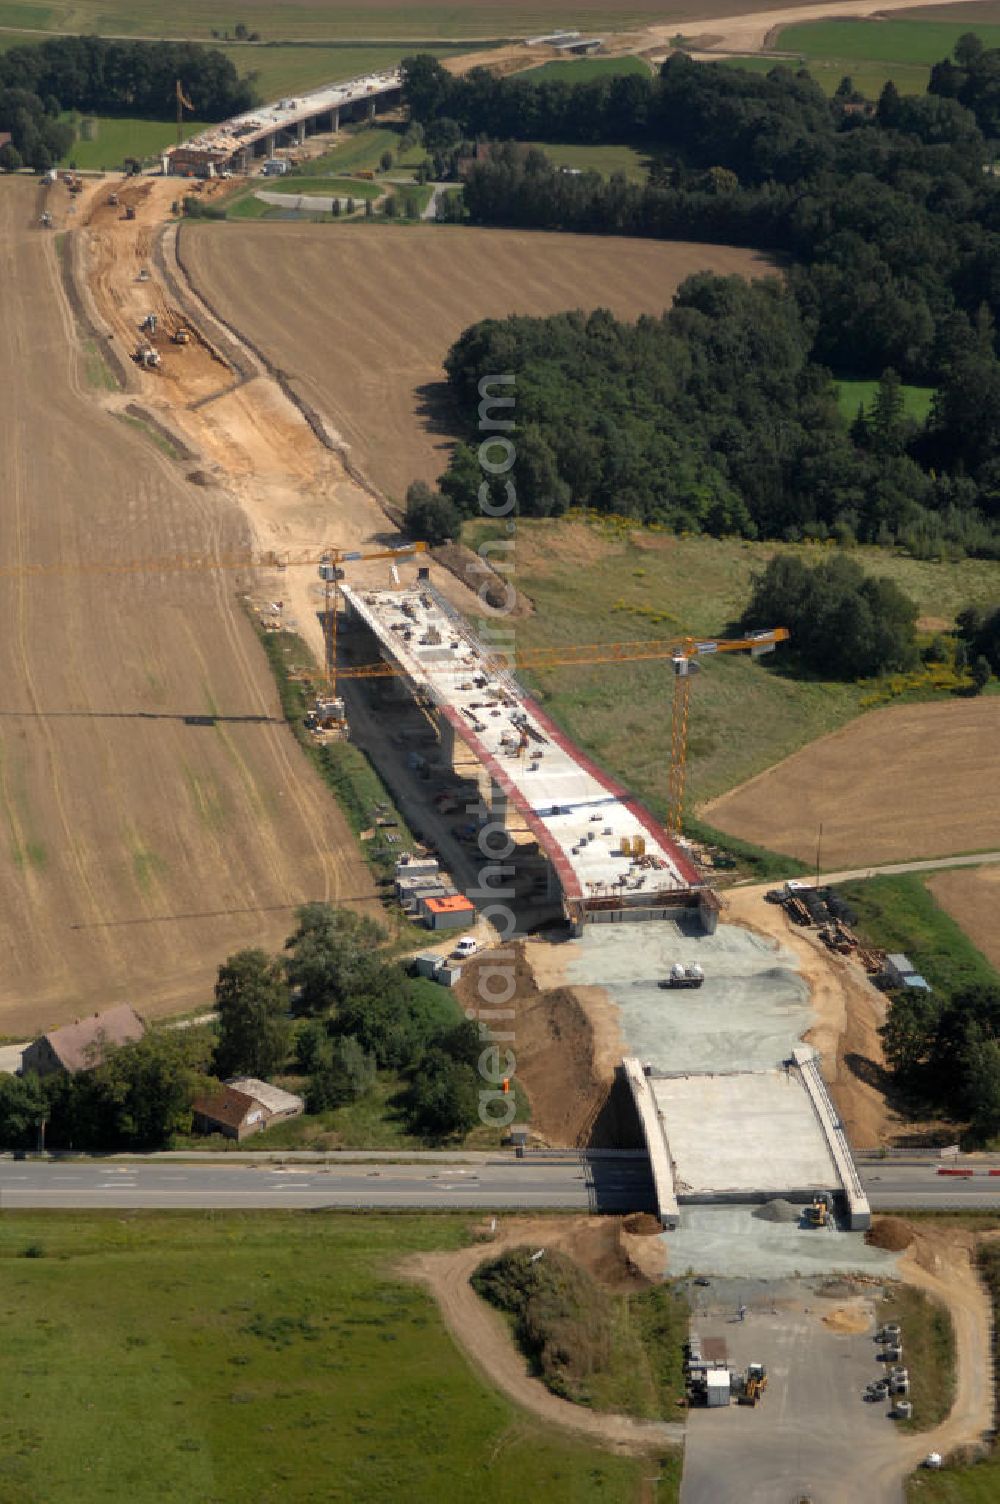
{"type": "Point", "coordinates": [335, 121]}
{"type": "Point", "coordinates": [300, 131]}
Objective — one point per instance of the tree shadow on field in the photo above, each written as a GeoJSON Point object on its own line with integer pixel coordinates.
{"type": "Point", "coordinates": [436, 409]}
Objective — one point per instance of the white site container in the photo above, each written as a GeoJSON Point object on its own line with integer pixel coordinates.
{"type": "Point", "coordinates": [717, 1382]}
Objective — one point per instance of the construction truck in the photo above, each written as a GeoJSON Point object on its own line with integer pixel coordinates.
{"type": "Point", "coordinates": [181, 336]}
{"type": "Point", "coordinates": [752, 1384]}
{"type": "Point", "coordinates": [818, 1210]}
{"type": "Point", "coordinates": [147, 357]}
{"type": "Point", "coordinates": [46, 220]}
{"type": "Point", "coordinates": [684, 976]}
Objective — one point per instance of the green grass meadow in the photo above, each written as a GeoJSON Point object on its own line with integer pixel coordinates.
{"type": "Point", "coordinates": [899, 913]}
{"type": "Point", "coordinates": [112, 139]}
{"type": "Point", "coordinates": [595, 582]}
{"type": "Point", "coordinates": [854, 394]}
{"type": "Point", "coordinates": [579, 70]}
{"type": "Point", "coordinates": [293, 70]}
{"type": "Point", "coordinates": [868, 77]}
{"type": "Point", "coordinates": [603, 159]}
{"type": "Point", "coordinates": [266, 1355]}
{"type": "Point", "coordinates": [890, 41]}
{"type": "Point", "coordinates": [872, 52]}
{"type": "Point", "coordinates": [322, 20]}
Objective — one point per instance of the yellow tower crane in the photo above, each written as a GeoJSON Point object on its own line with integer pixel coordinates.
{"type": "Point", "coordinates": [183, 103]}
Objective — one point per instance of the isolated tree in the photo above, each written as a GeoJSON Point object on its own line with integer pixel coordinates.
{"type": "Point", "coordinates": [331, 953]}
{"type": "Point", "coordinates": [968, 49]}
{"type": "Point", "coordinates": [343, 1073]}
{"type": "Point", "coordinates": [443, 1100]}
{"type": "Point", "coordinates": [889, 105]}
{"type": "Point", "coordinates": [981, 674]}
{"type": "Point", "coordinates": [887, 419]}
{"type": "Point", "coordinates": [254, 1029]}
{"type": "Point", "coordinates": [430, 516]}
{"type": "Point", "coordinates": [385, 161]}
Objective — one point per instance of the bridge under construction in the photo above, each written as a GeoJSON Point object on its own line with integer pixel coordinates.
{"type": "Point", "coordinates": [611, 859]}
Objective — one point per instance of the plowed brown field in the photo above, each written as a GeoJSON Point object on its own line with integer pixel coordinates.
{"type": "Point", "coordinates": [361, 317]}
{"type": "Point", "coordinates": [899, 784]}
{"type": "Point", "coordinates": [971, 895]}
{"type": "Point", "coordinates": [137, 846]}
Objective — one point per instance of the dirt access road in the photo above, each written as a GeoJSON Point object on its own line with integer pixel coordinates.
{"type": "Point", "coordinates": [155, 813]}
{"type": "Point", "coordinates": [252, 444]}
{"type": "Point", "coordinates": [485, 1337]}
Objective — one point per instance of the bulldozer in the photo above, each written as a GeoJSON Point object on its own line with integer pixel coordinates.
{"type": "Point", "coordinates": [818, 1211]}
{"type": "Point", "coordinates": [754, 1384]}
{"type": "Point", "coordinates": [181, 336]}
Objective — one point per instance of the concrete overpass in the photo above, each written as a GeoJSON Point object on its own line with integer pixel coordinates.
{"type": "Point", "coordinates": [744, 1136]}
{"type": "Point", "coordinates": [233, 145]}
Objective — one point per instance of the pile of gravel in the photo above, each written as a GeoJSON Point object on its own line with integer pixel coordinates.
{"type": "Point", "coordinates": [779, 1210]}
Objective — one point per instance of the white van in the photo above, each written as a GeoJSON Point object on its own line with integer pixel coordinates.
{"type": "Point", "coordinates": [465, 947]}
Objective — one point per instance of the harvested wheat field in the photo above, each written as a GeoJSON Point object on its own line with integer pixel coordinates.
{"type": "Point", "coordinates": [971, 895]}
{"type": "Point", "coordinates": [155, 812]}
{"type": "Point", "coordinates": [361, 317]}
{"type": "Point", "coordinates": [899, 784]}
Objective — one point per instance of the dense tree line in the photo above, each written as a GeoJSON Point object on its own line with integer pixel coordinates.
{"type": "Point", "coordinates": [103, 77]}
{"type": "Point", "coordinates": [893, 224]}
{"type": "Point", "coordinates": [711, 418]}
{"type": "Point", "coordinates": [945, 1054]}
{"type": "Point", "coordinates": [38, 137]}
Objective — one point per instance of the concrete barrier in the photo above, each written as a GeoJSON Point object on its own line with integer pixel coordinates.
{"type": "Point", "coordinates": [858, 1210]}
{"type": "Point", "coordinates": [656, 1143]}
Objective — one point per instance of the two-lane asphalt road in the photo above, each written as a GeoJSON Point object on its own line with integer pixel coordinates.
{"type": "Point", "coordinates": [560, 1183]}
{"type": "Point", "coordinates": [613, 1185]}
{"type": "Point", "coordinates": [896, 1187]}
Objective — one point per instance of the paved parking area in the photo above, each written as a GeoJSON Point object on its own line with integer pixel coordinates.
{"type": "Point", "coordinates": [812, 1437]}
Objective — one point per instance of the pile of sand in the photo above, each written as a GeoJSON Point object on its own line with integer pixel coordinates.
{"type": "Point", "coordinates": [848, 1320]}
{"type": "Point", "coordinates": [643, 1223]}
{"type": "Point", "coordinates": [890, 1233]}
{"type": "Point", "coordinates": [779, 1210]}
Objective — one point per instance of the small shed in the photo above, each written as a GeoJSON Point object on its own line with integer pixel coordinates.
{"type": "Point", "coordinates": [229, 1112]}
{"type": "Point", "coordinates": [428, 964]}
{"type": "Point", "coordinates": [899, 971]}
{"type": "Point", "coordinates": [277, 1102]}
{"type": "Point", "coordinates": [451, 912]}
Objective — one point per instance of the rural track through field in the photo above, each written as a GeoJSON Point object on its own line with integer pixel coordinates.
{"type": "Point", "coordinates": [485, 1338]}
